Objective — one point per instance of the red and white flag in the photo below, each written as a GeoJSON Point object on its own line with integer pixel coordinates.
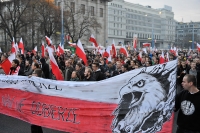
{"type": "Point", "coordinates": [6, 65]}
{"type": "Point", "coordinates": [0, 50]}
{"type": "Point", "coordinates": [114, 51]}
{"type": "Point", "coordinates": [58, 51]}
{"type": "Point", "coordinates": [72, 44]}
{"type": "Point", "coordinates": [61, 49]}
{"type": "Point", "coordinates": [48, 40]}
{"type": "Point", "coordinates": [93, 40]}
{"type": "Point", "coordinates": [145, 50]}
{"type": "Point", "coordinates": [123, 51]}
{"type": "Point", "coordinates": [55, 69]}
{"type": "Point", "coordinates": [111, 105]}
{"type": "Point", "coordinates": [107, 53]}
{"type": "Point", "coordinates": [35, 50]}
{"type": "Point", "coordinates": [162, 58]}
{"type": "Point", "coordinates": [43, 49]}
{"type": "Point", "coordinates": [67, 37]}
{"type": "Point", "coordinates": [140, 56]}
{"type": "Point", "coordinates": [167, 58]}
{"type": "Point", "coordinates": [21, 46]}
{"type": "Point", "coordinates": [198, 47]}
{"type": "Point", "coordinates": [134, 42]}
{"type": "Point", "coordinates": [81, 53]}
{"type": "Point", "coordinates": [13, 49]}
{"type": "Point", "coordinates": [146, 44]}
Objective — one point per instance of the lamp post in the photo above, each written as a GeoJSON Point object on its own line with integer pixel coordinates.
{"type": "Point", "coordinates": [62, 22]}
{"type": "Point", "coordinates": [193, 36]}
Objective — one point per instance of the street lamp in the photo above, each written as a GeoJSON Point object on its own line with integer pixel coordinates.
{"type": "Point", "coordinates": [62, 22]}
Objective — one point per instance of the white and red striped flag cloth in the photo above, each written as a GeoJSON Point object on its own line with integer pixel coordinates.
{"type": "Point", "coordinates": [6, 65]}
{"type": "Point", "coordinates": [21, 46]}
{"type": "Point", "coordinates": [61, 49]}
{"type": "Point", "coordinates": [35, 50]}
{"type": "Point", "coordinates": [55, 69]}
{"type": "Point", "coordinates": [114, 51]}
{"type": "Point", "coordinates": [48, 40]}
{"type": "Point", "coordinates": [43, 49]}
{"type": "Point", "coordinates": [198, 47]}
{"type": "Point", "coordinates": [146, 44]}
{"type": "Point", "coordinates": [123, 51]}
{"type": "Point", "coordinates": [95, 107]}
{"type": "Point", "coordinates": [81, 53]}
{"type": "Point", "coordinates": [93, 40]}
{"type": "Point", "coordinates": [162, 58]}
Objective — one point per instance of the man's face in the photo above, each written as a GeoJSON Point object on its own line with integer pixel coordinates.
{"type": "Point", "coordinates": [27, 63]}
{"type": "Point", "coordinates": [132, 63]}
{"type": "Point", "coordinates": [193, 65]}
{"type": "Point", "coordinates": [183, 63]}
{"type": "Point", "coordinates": [186, 85]}
{"type": "Point", "coordinates": [118, 65]}
{"type": "Point", "coordinates": [94, 67]}
{"type": "Point", "coordinates": [77, 68]}
{"type": "Point", "coordinates": [67, 64]}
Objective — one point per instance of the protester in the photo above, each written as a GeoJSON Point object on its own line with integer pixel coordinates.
{"type": "Point", "coordinates": [14, 70]}
{"type": "Point", "coordinates": [188, 104]}
{"type": "Point", "coordinates": [88, 75]}
{"type": "Point", "coordinates": [45, 68]}
{"type": "Point", "coordinates": [68, 70]}
{"type": "Point", "coordinates": [75, 76]}
{"type": "Point", "coordinates": [27, 70]}
{"type": "Point", "coordinates": [98, 75]}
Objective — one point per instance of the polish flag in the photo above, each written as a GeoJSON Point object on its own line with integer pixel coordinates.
{"type": "Point", "coordinates": [6, 65]}
{"type": "Point", "coordinates": [80, 52]}
{"type": "Point", "coordinates": [162, 58]}
{"type": "Point", "coordinates": [123, 51]}
{"type": "Point", "coordinates": [107, 53]}
{"type": "Point", "coordinates": [13, 50]}
{"type": "Point", "coordinates": [198, 47]}
{"type": "Point", "coordinates": [43, 49]}
{"type": "Point", "coordinates": [55, 69]}
{"type": "Point", "coordinates": [93, 40]}
{"type": "Point", "coordinates": [61, 49]}
{"type": "Point", "coordinates": [135, 42]}
{"type": "Point", "coordinates": [140, 56]}
{"type": "Point", "coordinates": [100, 50]}
{"type": "Point", "coordinates": [145, 50]}
{"type": "Point", "coordinates": [35, 50]}
{"type": "Point", "coordinates": [58, 51]}
{"type": "Point", "coordinates": [16, 47]}
{"type": "Point", "coordinates": [72, 44]}
{"type": "Point", "coordinates": [114, 51]}
{"type": "Point", "coordinates": [48, 40]}
{"type": "Point", "coordinates": [146, 44]}
{"type": "Point", "coordinates": [21, 46]}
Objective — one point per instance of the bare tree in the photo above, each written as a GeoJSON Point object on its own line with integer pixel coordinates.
{"type": "Point", "coordinates": [79, 23]}
{"type": "Point", "coordinates": [49, 17]}
{"type": "Point", "coordinates": [13, 16]}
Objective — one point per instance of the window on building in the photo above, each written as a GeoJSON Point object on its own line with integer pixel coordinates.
{"type": "Point", "coordinates": [114, 24]}
{"type": "Point", "coordinates": [72, 6]}
{"type": "Point", "coordinates": [83, 8]}
{"type": "Point", "coordinates": [114, 32]}
{"type": "Point", "coordinates": [92, 11]}
{"type": "Point", "coordinates": [101, 12]}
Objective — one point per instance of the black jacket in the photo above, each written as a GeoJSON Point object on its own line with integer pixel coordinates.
{"type": "Point", "coordinates": [98, 75]}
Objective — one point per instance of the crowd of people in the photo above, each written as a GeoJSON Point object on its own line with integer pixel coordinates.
{"type": "Point", "coordinates": [72, 67]}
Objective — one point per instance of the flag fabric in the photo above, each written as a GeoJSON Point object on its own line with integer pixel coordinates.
{"type": "Point", "coordinates": [35, 50]}
{"type": "Point", "coordinates": [198, 47]}
{"type": "Point", "coordinates": [123, 51]}
{"type": "Point", "coordinates": [114, 51]}
{"type": "Point", "coordinates": [107, 53]}
{"type": "Point", "coordinates": [93, 40]}
{"type": "Point", "coordinates": [55, 69]}
{"type": "Point", "coordinates": [0, 50]}
{"type": "Point", "coordinates": [21, 46]}
{"type": "Point", "coordinates": [145, 50]}
{"type": "Point", "coordinates": [61, 49]}
{"type": "Point", "coordinates": [81, 53]}
{"type": "Point", "coordinates": [134, 42]}
{"type": "Point", "coordinates": [6, 65]}
{"type": "Point", "coordinates": [146, 44]}
{"type": "Point", "coordinates": [162, 58]}
{"type": "Point", "coordinates": [167, 58]}
{"type": "Point", "coordinates": [67, 37]}
{"type": "Point", "coordinates": [58, 51]}
{"type": "Point", "coordinates": [16, 47]}
{"type": "Point", "coordinates": [95, 107]}
{"type": "Point", "coordinates": [43, 49]}
{"type": "Point", "coordinates": [140, 56]}
{"type": "Point", "coordinates": [72, 44]}
{"type": "Point", "coordinates": [48, 40]}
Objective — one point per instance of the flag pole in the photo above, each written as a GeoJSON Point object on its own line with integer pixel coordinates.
{"type": "Point", "coordinates": [62, 22]}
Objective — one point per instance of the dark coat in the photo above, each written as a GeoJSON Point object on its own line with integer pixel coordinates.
{"type": "Point", "coordinates": [98, 75]}
{"type": "Point", "coordinates": [67, 73]}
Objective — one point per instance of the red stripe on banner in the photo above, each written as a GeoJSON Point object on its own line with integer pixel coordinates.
{"type": "Point", "coordinates": [65, 114]}
{"type": "Point", "coordinates": [168, 126]}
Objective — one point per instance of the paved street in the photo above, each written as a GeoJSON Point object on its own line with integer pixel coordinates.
{"type": "Point", "coordinates": [12, 125]}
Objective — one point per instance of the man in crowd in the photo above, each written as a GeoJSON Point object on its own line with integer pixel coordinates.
{"type": "Point", "coordinates": [88, 75]}
{"type": "Point", "coordinates": [188, 104]}
{"type": "Point", "coordinates": [68, 70]}
{"type": "Point", "coordinates": [45, 68]}
{"type": "Point", "coordinates": [27, 70]}
{"type": "Point", "coordinates": [14, 70]}
{"type": "Point", "coordinates": [98, 75]}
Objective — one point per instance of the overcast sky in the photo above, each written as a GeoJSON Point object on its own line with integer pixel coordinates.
{"type": "Point", "coordinates": [189, 10]}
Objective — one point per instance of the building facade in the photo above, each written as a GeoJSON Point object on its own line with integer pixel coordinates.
{"type": "Point", "coordinates": [186, 33]}
{"type": "Point", "coordinates": [127, 20]}
{"type": "Point", "coordinates": [98, 9]}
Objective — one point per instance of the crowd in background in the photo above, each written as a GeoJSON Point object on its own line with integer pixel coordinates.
{"type": "Point", "coordinates": [99, 68]}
